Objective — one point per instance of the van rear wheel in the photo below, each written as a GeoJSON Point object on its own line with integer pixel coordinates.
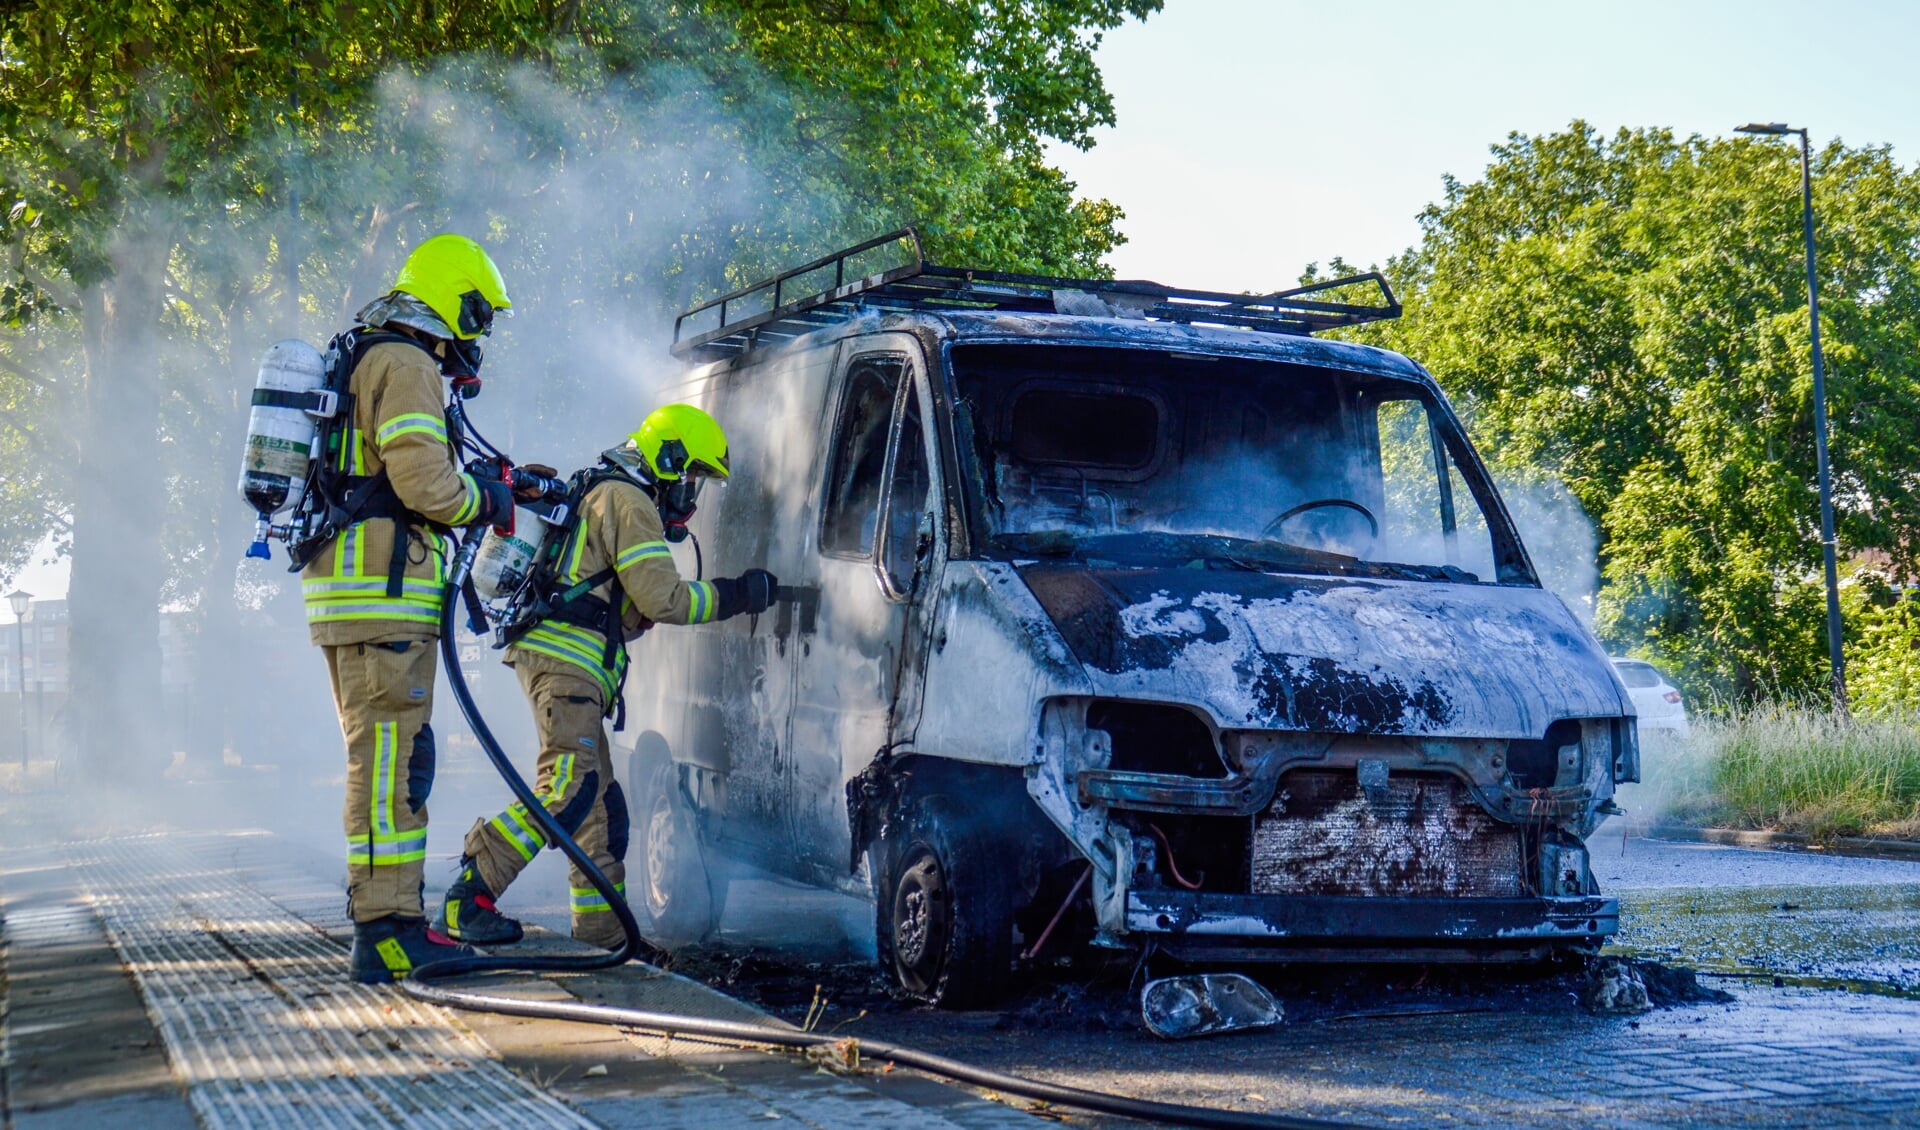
{"type": "Point", "coordinates": [681, 892]}
{"type": "Point", "coordinates": [943, 912]}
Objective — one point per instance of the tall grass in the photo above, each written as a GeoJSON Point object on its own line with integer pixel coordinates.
{"type": "Point", "coordinates": [1792, 769]}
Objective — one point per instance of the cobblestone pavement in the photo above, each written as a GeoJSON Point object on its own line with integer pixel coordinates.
{"type": "Point", "coordinates": [171, 979]}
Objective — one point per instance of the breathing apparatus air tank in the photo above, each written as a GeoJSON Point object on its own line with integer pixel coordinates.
{"type": "Point", "coordinates": [289, 401]}
{"type": "Point", "coordinates": [505, 561]}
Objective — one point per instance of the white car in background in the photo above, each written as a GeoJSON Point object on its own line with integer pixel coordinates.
{"type": "Point", "coordinates": [1657, 701]}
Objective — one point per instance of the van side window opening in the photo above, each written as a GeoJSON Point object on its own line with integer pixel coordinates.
{"type": "Point", "coordinates": [852, 507]}
{"type": "Point", "coordinates": [907, 498]}
{"type": "Point", "coordinates": [1074, 444]}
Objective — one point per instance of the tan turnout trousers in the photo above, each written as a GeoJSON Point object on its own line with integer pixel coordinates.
{"type": "Point", "coordinates": [379, 646]}
{"type": "Point", "coordinates": [575, 783]}
{"type": "Point", "coordinates": [384, 693]}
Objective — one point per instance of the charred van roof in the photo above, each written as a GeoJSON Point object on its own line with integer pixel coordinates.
{"type": "Point", "coordinates": [1127, 333]}
{"type": "Point", "coordinates": [889, 278]}
{"type": "Point", "coordinates": [1138, 333]}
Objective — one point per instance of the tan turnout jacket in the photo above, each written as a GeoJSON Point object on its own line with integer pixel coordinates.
{"type": "Point", "coordinates": [399, 423]}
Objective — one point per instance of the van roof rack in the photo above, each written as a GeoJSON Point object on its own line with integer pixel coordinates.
{"type": "Point", "coordinates": [828, 290]}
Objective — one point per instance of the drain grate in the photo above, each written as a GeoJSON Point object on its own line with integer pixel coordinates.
{"type": "Point", "coordinates": [260, 1021]}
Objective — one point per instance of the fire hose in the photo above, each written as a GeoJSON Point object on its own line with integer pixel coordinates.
{"type": "Point", "coordinates": [424, 983]}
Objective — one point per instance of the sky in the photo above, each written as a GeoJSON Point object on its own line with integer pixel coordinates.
{"type": "Point", "coordinates": [1256, 136]}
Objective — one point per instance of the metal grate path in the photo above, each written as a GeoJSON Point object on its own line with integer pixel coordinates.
{"type": "Point", "coordinates": [260, 1020]}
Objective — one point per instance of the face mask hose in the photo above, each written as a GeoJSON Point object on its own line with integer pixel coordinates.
{"type": "Point", "coordinates": [422, 984]}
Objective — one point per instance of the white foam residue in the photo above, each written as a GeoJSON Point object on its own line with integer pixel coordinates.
{"type": "Point", "coordinates": [1152, 617]}
{"type": "Point", "coordinates": [1214, 672]}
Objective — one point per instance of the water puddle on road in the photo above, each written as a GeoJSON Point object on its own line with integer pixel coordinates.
{"type": "Point", "coordinates": [1860, 939]}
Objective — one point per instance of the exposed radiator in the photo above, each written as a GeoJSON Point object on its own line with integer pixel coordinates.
{"type": "Point", "coordinates": [1419, 835]}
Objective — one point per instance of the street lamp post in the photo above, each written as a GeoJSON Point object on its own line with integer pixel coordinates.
{"type": "Point", "coordinates": [1835, 657]}
{"type": "Point", "coordinates": [39, 693]}
{"type": "Point", "coordinates": [20, 600]}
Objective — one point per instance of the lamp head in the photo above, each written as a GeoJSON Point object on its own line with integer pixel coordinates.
{"type": "Point", "coordinates": [19, 600]}
{"type": "Point", "coordinates": [1769, 129]}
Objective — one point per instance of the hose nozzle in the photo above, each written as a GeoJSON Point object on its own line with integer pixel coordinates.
{"type": "Point", "coordinates": [549, 489]}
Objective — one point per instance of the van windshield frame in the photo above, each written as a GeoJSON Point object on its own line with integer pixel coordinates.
{"type": "Point", "coordinates": [1214, 405]}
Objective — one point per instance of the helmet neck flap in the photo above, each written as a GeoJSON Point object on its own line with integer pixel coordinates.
{"type": "Point", "coordinates": [676, 499]}
{"type": "Point", "coordinates": [398, 311]}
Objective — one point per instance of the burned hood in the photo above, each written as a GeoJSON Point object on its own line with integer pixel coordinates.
{"type": "Point", "coordinates": [1331, 654]}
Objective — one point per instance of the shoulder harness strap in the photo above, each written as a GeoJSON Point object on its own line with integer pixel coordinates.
{"type": "Point", "coordinates": [356, 498]}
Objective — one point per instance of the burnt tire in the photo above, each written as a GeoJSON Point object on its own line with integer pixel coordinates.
{"type": "Point", "coordinates": [943, 911]}
{"type": "Point", "coordinates": [680, 893]}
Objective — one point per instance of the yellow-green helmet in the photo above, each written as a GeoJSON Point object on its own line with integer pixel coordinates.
{"type": "Point", "coordinates": [456, 278]}
{"type": "Point", "coordinates": [679, 439]}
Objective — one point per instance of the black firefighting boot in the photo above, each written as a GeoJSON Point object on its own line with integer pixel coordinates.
{"type": "Point", "coordinates": [387, 949]}
{"type": "Point", "coordinates": [467, 912]}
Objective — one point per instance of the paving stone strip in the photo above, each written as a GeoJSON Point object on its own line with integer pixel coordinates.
{"type": "Point", "coordinates": [77, 1048]}
{"type": "Point", "coordinates": [1863, 847]}
{"type": "Point", "coordinates": [264, 1029]}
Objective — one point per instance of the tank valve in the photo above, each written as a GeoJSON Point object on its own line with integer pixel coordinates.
{"type": "Point", "coordinates": [261, 532]}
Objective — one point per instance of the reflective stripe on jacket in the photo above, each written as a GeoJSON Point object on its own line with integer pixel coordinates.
{"type": "Point", "coordinates": [399, 425]}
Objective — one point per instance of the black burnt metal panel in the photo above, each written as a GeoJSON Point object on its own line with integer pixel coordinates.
{"type": "Point", "coordinates": [1237, 795]}
{"type": "Point", "coordinates": [1280, 919]}
{"type": "Point", "coordinates": [1331, 654]}
{"type": "Point", "coordinates": [994, 327]}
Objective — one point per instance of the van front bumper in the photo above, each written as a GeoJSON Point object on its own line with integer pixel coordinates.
{"type": "Point", "coordinates": [1284, 927]}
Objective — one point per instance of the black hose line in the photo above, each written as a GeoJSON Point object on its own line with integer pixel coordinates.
{"type": "Point", "coordinates": [1171, 1114]}
{"type": "Point", "coordinates": [421, 983]}
{"type": "Point", "coordinates": [630, 946]}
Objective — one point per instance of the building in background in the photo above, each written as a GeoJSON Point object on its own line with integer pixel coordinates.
{"type": "Point", "coordinates": [43, 646]}
{"type": "Point", "coordinates": [44, 665]}
{"type": "Point", "coordinates": [263, 706]}
{"type": "Point", "coordinates": [42, 669]}
{"type": "Point", "coordinates": [176, 680]}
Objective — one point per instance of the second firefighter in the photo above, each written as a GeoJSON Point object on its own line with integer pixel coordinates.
{"type": "Point", "coordinates": [611, 578]}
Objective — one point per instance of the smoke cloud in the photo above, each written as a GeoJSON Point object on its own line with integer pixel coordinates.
{"type": "Point", "coordinates": [607, 210]}
{"type": "Point", "coordinates": [1558, 535]}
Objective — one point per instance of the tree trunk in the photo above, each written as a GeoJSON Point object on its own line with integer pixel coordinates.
{"type": "Point", "coordinates": [225, 655]}
{"type": "Point", "coordinates": [119, 505]}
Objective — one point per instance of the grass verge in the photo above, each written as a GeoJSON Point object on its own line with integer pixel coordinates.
{"type": "Point", "coordinates": [1790, 769]}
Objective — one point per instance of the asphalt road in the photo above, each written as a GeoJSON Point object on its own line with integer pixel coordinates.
{"type": "Point", "coordinates": [1820, 954]}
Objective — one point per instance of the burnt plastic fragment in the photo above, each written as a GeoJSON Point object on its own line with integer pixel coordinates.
{"type": "Point", "coordinates": [1206, 1004]}
{"type": "Point", "coordinates": [1614, 988]}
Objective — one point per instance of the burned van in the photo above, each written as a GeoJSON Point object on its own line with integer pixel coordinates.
{"type": "Point", "coordinates": [1119, 615]}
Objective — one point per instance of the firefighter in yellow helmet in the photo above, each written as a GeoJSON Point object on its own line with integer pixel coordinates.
{"type": "Point", "coordinates": [373, 578]}
{"type": "Point", "coordinates": [612, 577]}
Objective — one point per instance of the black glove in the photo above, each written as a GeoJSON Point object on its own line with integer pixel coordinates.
{"type": "Point", "coordinates": [496, 504]}
{"type": "Point", "coordinates": [751, 593]}
{"type": "Point", "coordinates": [490, 467]}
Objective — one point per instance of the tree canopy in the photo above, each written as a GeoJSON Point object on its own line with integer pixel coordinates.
{"type": "Point", "coordinates": [182, 183]}
{"type": "Point", "coordinates": [1629, 315]}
